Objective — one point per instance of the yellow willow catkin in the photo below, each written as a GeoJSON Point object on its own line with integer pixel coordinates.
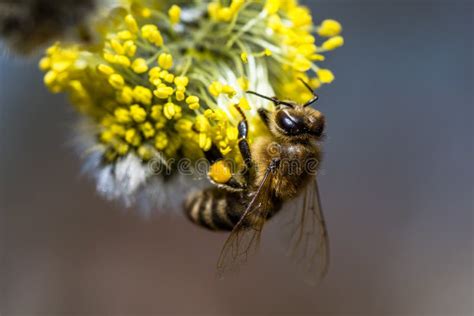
{"type": "Point", "coordinates": [160, 84]}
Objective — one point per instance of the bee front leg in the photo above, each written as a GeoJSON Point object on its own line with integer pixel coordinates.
{"type": "Point", "coordinates": [220, 173]}
{"type": "Point", "coordinates": [244, 147]}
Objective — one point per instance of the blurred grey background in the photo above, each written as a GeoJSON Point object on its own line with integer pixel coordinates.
{"type": "Point", "coordinates": [397, 190]}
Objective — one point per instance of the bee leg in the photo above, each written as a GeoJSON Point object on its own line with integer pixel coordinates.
{"type": "Point", "coordinates": [221, 174]}
{"type": "Point", "coordinates": [213, 155]}
{"type": "Point", "coordinates": [244, 147]}
{"type": "Point", "coordinates": [234, 185]}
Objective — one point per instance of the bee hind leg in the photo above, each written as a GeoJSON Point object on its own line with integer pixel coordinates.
{"type": "Point", "coordinates": [221, 173]}
{"type": "Point", "coordinates": [213, 155]}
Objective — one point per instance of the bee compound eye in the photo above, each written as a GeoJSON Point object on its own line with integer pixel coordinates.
{"type": "Point", "coordinates": [290, 124]}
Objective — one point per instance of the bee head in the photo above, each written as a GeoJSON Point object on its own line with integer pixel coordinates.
{"type": "Point", "coordinates": [298, 122]}
{"type": "Point", "coordinates": [294, 121]}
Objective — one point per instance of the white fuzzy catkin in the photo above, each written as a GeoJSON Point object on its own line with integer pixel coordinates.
{"type": "Point", "coordinates": [130, 181]}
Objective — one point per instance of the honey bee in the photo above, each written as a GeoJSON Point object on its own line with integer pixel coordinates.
{"type": "Point", "coordinates": [27, 25]}
{"type": "Point", "coordinates": [279, 168]}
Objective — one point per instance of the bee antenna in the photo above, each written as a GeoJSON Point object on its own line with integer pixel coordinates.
{"type": "Point", "coordinates": [306, 84]}
{"type": "Point", "coordinates": [315, 96]}
{"type": "Point", "coordinates": [273, 99]}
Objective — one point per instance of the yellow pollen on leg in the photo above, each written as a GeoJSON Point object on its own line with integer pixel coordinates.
{"type": "Point", "coordinates": [220, 172]}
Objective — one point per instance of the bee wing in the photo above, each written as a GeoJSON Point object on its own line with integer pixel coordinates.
{"type": "Point", "coordinates": [309, 242]}
{"type": "Point", "coordinates": [245, 237]}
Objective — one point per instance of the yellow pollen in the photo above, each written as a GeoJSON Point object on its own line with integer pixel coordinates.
{"type": "Point", "coordinates": [220, 172]}
{"type": "Point", "coordinates": [130, 48]}
{"type": "Point", "coordinates": [301, 63]}
{"type": "Point", "coordinates": [133, 137]}
{"type": "Point", "coordinates": [272, 6]}
{"type": "Point", "coordinates": [165, 61]}
{"type": "Point", "coordinates": [192, 99]}
{"type": "Point", "coordinates": [45, 63]}
{"type": "Point", "coordinates": [138, 113]}
{"type": "Point", "coordinates": [140, 66]}
{"type": "Point", "coordinates": [325, 75]}
{"type": "Point", "coordinates": [105, 69]}
{"type": "Point", "coordinates": [125, 96]}
{"type": "Point", "coordinates": [145, 153]}
{"type": "Point", "coordinates": [122, 148]}
{"type": "Point", "coordinates": [131, 23]}
{"type": "Point", "coordinates": [122, 115]}
{"type": "Point", "coordinates": [205, 142]}
{"type": "Point", "coordinates": [117, 47]}
{"type": "Point", "coordinates": [216, 88]}
{"type": "Point", "coordinates": [175, 14]}
{"type": "Point", "coordinates": [122, 60]}
{"type": "Point", "coordinates": [163, 91]}
{"type": "Point", "coordinates": [194, 106]}
{"type": "Point", "coordinates": [142, 95]}
{"type": "Point", "coordinates": [124, 35]}
{"type": "Point", "coordinates": [116, 81]}
{"type": "Point", "coordinates": [161, 141]}
{"type": "Point", "coordinates": [180, 95]}
{"type": "Point", "coordinates": [329, 28]}
{"type": "Point", "coordinates": [181, 81]}
{"type": "Point", "coordinates": [229, 91]}
{"type": "Point", "coordinates": [333, 43]}
{"type": "Point", "coordinates": [147, 130]}
{"type": "Point", "coordinates": [169, 110]}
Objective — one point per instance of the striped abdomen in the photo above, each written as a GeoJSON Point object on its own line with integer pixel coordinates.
{"type": "Point", "coordinates": [214, 209]}
{"type": "Point", "coordinates": [218, 209]}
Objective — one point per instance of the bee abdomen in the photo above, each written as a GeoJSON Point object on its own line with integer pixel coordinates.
{"type": "Point", "coordinates": [213, 209]}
